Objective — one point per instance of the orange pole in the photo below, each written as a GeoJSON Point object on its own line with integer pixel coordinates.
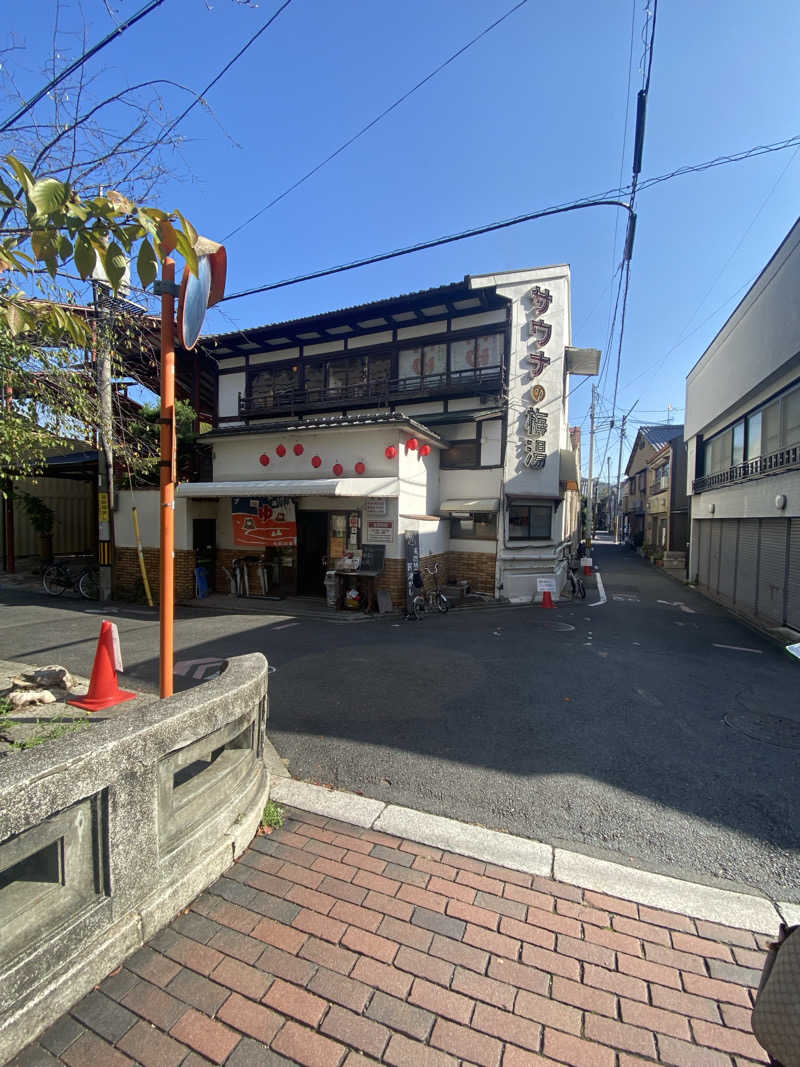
{"type": "Point", "coordinates": [167, 525]}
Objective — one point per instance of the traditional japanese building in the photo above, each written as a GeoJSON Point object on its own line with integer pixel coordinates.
{"type": "Point", "coordinates": [438, 417]}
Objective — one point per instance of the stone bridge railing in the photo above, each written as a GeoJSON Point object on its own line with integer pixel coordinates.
{"type": "Point", "coordinates": [107, 833]}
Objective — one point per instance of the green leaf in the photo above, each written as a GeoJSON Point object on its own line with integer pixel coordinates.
{"type": "Point", "coordinates": [48, 195]}
{"type": "Point", "coordinates": [115, 262]}
{"type": "Point", "coordinates": [146, 264]}
{"type": "Point", "coordinates": [85, 256]}
{"type": "Point", "coordinates": [188, 229]}
{"type": "Point", "coordinates": [187, 251]}
{"type": "Point", "coordinates": [78, 210]}
{"type": "Point", "coordinates": [64, 247]}
{"type": "Point", "coordinates": [24, 176]}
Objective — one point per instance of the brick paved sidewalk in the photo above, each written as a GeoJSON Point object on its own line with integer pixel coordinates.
{"type": "Point", "coordinates": [332, 946]}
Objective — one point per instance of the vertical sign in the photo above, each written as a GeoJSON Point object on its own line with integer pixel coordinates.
{"type": "Point", "coordinates": [412, 565]}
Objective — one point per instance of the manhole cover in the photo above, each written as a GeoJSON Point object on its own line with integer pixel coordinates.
{"type": "Point", "coordinates": [770, 729]}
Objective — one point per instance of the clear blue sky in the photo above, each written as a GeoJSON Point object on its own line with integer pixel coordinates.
{"type": "Point", "coordinates": [531, 116]}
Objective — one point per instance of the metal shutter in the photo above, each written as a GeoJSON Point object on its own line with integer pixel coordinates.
{"type": "Point", "coordinates": [703, 529]}
{"type": "Point", "coordinates": [714, 553]}
{"type": "Point", "coordinates": [772, 569]}
{"type": "Point", "coordinates": [793, 583]}
{"type": "Point", "coordinates": [727, 559]}
{"type": "Point", "coordinates": [747, 566]}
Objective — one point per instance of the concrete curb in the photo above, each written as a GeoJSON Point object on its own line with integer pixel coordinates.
{"type": "Point", "coordinates": [729, 907]}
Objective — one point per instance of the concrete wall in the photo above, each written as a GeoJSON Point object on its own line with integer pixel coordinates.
{"type": "Point", "coordinates": [104, 846]}
{"type": "Point", "coordinates": [761, 335]}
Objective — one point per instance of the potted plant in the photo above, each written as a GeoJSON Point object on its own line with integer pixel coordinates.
{"type": "Point", "coordinates": [41, 517]}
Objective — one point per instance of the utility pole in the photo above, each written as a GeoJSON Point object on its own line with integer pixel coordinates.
{"type": "Point", "coordinates": [608, 492]}
{"type": "Point", "coordinates": [105, 456]}
{"type": "Point", "coordinates": [590, 503]}
{"type": "Point", "coordinates": [618, 533]}
{"type": "Point", "coordinates": [168, 291]}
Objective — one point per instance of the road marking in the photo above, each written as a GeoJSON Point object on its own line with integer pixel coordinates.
{"type": "Point", "coordinates": [625, 597]}
{"type": "Point", "coordinates": [199, 668]}
{"type": "Point", "coordinates": [738, 648]}
{"type": "Point", "coordinates": [677, 604]}
{"type": "Point", "coordinates": [601, 590]}
{"type": "Point", "coordinates": [286, 625]}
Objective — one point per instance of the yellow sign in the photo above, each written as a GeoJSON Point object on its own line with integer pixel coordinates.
{"type": "Point", "coordinates": [102, 507]}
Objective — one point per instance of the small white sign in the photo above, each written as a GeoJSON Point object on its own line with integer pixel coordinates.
{"type": "Point", "coordinates": [380, 532]}
{"type": "Point", "coordinates": [546, 585]}
{"type": "Point", "coordinates": [376, 505]}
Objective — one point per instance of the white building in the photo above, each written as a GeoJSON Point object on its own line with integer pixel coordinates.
{"type": "Point", "coordinates": [441, 413]}
{"type": "Point", "coordinates": [743, 437]}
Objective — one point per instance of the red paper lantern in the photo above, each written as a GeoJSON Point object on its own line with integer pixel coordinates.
{"type": "Point", "coordinates": [298, 449]}
{"type": "Point", "coordinates": [425, 450]}
{"type": "Point", "coordinates": [360, 467]}
{"type": "Point", "coordinates": [391, 452]}
{"type": "Point", "coordinates": [263, 459]}
{"type": "Point", "coordinates": [316, 461]}
{"type": "Point", "coordinates": [411, 444]}
{"type": "Point", "coordinates": [338, 470]}
{"type": "Point", "coordinates": [281, 450]}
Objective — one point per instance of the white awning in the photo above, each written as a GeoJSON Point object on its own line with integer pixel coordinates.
{"type": "Point", "coordinates": [470, 505]}
{"type": "Point", "coordinates": [350, 487]}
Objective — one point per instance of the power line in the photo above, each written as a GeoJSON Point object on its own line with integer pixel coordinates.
{"type": "Point", "coordinates": [165, 133]}
{"type": "Point", "coordinates": [428, 244]}
{"type": "Point", "coordinates": [376, 120]}
{"type": "Point", "coordinates": [79, 62]}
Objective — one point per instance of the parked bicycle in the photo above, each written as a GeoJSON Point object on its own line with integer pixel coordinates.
{"type": "Point", "coordinates": [574, 580]}
{"type": "Point", "coordinates": [58, 578]}
{"type": "Point", "coordinates": [432, 599]}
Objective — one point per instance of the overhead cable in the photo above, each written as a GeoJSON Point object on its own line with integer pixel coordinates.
{"type": "Point", "coordinates": [79, 62]}
{"type": "Point", "coordinates": [376, 120]}
{"type": "Point", "coordinates": [166, 132]}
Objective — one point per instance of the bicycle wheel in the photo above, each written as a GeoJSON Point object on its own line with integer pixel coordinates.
{"type": "Point", "coordinates": [581, 589]}
{"type": "Point", "coordinates": [442, 603]}
{"type": "Point", "coordinates": [573, 585]}
{"type": "Point", "coordinates": [88, 585]}
{"type": "Point", "coordinates": [418, 607]}
{"type": "Point", "coordinates": [56, 579]}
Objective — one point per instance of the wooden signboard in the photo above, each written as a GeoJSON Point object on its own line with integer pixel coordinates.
{"type": "Point", "coordinates": [412, 565]}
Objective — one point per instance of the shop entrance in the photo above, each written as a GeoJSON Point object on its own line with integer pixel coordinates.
{"type": "Point", "coordinates": [312, 547]}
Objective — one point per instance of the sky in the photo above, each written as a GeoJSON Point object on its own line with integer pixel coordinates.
{"type": "Point", "coordinates": [532, 115]}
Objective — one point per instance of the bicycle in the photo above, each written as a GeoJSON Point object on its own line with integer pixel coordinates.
{"type": "Point", "coordinates": [57, 578]}
{"type": "Point", "coordinates": [577, 588]}
{"type": "Point", "coordinates": [433, 598]}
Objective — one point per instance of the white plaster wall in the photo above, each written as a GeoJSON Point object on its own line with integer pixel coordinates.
{"type": "Point", "coordinates": [147, 503]}
{"type": "Point", "coordinates": [230, 385]}
{"type": "Point", "coordinates": [762, 334]}
{"type": "Point", "coordinates": [470, 484]}
{"type": "Point", "coordinates": [272, 357]}
{"type": "Point", "coordinates": [238, 458]}
{"type": "Point", "coordinates": [488, 548]}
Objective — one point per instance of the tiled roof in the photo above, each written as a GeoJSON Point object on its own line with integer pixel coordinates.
{"type": "Point", "coordinates": [659, 435]}
{"type": "Point", "coordinates": [323, 422]}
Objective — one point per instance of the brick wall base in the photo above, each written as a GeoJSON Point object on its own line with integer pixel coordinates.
{"type": "Point", "coordinates": [128, 584]}
{"type": "Point", "coordinates": [478, 568]}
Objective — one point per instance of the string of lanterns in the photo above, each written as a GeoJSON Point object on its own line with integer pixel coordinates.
{"type": "Point", "coordinates": [391, 452]}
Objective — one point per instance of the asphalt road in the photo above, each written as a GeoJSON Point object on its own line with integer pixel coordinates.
{"type": "Point", "coordinates": [653, 726]}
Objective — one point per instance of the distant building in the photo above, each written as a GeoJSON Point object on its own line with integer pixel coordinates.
{"type": "Point", "coordinates": [649, 442]}
{"type": "Point", "coordinates": [743, 436]}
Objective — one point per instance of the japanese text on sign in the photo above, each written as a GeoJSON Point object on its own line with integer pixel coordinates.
{"type": "Point", "coordinates": [535, 454]}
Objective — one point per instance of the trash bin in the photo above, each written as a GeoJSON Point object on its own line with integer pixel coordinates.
{"type": "Point", "coordinates": [330, 588]}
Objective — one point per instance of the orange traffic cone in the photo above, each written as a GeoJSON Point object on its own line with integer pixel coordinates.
{"type": "Point", "coordinates": [547, 599]}
{"type": "Point", "coordinates": [587, 565]}
{"type": "Point", "coordinates": [103, 688]}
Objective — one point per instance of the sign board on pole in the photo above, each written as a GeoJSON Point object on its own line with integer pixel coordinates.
{"type": "Point", "coordinates": [412, 565]}
{"type": "Point", "coordinates": [546, 584]}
